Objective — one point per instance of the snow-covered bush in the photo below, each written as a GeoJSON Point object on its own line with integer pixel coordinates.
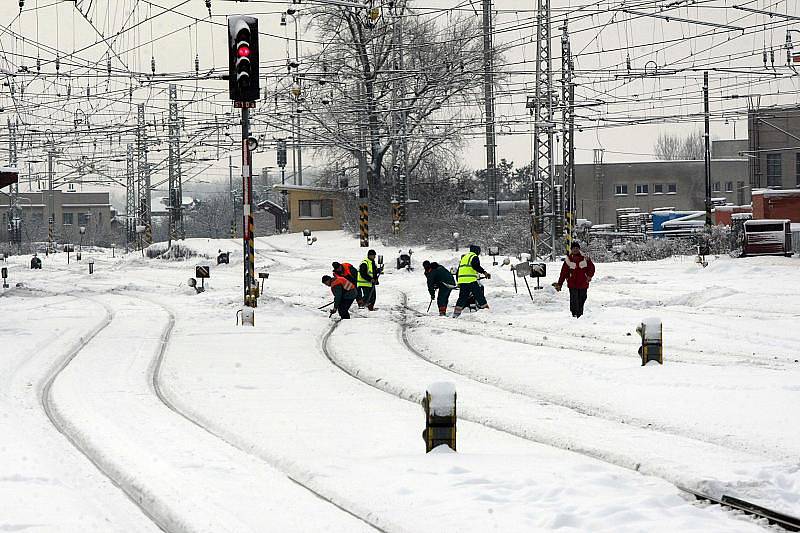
{"type": "Point", "coordinates": [162, 250]}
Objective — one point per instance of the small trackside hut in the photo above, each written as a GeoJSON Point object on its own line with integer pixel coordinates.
{"type": "Point", "coordinates": [767, 237]}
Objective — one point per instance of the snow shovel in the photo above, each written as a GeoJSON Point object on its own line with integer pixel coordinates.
{"type": "Point", "coordinates": [324, 306]}
{"type": "Point", "coordinates": [429, 306]}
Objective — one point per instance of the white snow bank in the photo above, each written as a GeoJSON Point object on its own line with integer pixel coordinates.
{"type": "Point", "coordinates": [443, 398]}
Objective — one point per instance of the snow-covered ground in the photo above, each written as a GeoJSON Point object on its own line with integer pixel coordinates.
{"type": "Point", "coordinates": [131, 403]}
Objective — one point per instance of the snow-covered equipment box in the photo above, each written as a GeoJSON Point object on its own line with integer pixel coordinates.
{"type": "Point", "coordinates": [440, 416]}
{"type": "Point", "coordinates": [652, 333]}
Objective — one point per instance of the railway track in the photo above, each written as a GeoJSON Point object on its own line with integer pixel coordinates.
{"type": "Point", "coordinates": [63, 426]}
{"type": "Point", "coordinates": [379, 383]}
{"type": "Point", "coordinates": [155, 379]}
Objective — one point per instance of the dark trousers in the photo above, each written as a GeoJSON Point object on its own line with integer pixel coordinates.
{"type": "Point", "coordinates": [467, 289]}
{"type": "Point", "coordinates": [577, 297]}
{"type": "Point", "coordinates": [367, 295]}
{"type": "Point", "coordinates": [344, 307]}
{"type": "Point", "coordinates": [444, 296]}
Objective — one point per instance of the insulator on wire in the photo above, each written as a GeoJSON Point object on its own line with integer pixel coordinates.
{"type": "Point", "coordinates": [153, 64]}
{"type": "Point", "coordinates": [208, 5]}
{"type": "Point", "coordinates": [38, 64]}
{"type": "Point", "coordinates": [628, 61]}
{"type": "Point", "coordinates": [197, 64]}
{"type": "Point", "coordinates": [108, 66]}
{"type": "Point", "coordinates": [21, 5]}
{"type": "Point", "coordinates": [772, 58]}
{"type": "Point", "coordinates": [765, 58]}
{"type": "Point", "coordinates": [58, 64]}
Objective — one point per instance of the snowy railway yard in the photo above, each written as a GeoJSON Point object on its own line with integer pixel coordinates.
{"type": "Point", "coordinates": [131, 403]}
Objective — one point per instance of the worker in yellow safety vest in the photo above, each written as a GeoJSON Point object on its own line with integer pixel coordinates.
{"type": "Point", "coordinates": [368, 273]}
{"type": "Point", "coordinates": [469, 270]}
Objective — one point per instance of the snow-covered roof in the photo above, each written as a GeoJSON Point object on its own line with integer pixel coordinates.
{"type": "Point", "coordinates": [776, 192]}
{"type": "Point", "coordinates": [767, 221]}
{"type": "Point", "coordinates": [733, 207]}
{"type": "Point", "coordinates": [280, 187]}
{"type": "Point", "coordinates": [9, 170]}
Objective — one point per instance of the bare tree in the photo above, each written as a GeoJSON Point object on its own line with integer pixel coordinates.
{"type": "Point", "coordinates": [440, 75]}
{"type": "Point", "coordinates": [669, 146]}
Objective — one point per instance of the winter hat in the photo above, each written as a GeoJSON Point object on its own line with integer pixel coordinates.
{"type": "Point", "coordinates": [426, 264]}
{"type": "Point", "coordinates": [336, 265]}
{"type": "Point", "coordinates": [372, 252]}
{"type": "Point", "coordinates": [326, 279]}
{"type": "Point", "coordinates": [474, 248]}
{"type": "Point", "coordinates": [575, 244]}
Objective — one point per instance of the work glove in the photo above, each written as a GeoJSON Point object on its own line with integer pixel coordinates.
{"type": "Point", "coordinates": [331, 312]}
{"type": "Point", "coordinates": [433, 295]}
{"type": "Point", "coordinates": [488, 275]}
{"type": "Point", "coordinates": [557, 286]}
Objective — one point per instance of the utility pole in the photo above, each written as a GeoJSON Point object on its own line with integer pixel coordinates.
{"type": "Point", "coordinates": [175, 196]}
{"type": "Point", "coordinates": [568, 124]}
{"type": "Point", "coordinates": [130, 201]}
{"type": "Point", "coordinates": [488, 96]}
{"type": "Point", "coordinates": [707, 139]}
{"type": "Point", "coordinates": [15, 213]}
{"type": "Point", "coordinates": [399, 147]}
{"type": "Point", "coordinates": [542, 192]}
{"type": "Point", "coordinates": [143, 177]}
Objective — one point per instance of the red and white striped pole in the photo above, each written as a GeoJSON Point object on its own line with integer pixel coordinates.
{"type": "Point", "coordinates": [250, 286]}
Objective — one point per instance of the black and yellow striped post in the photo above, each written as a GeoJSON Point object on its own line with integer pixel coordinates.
{"type": "Point", "coordinates": [363, 224]}
{"type": "Point", "coordinates": [569, 236]}
{"type": "Point", "coordinates": [395, 217]}
{"type": "Point", "coordinates": [440, 416]}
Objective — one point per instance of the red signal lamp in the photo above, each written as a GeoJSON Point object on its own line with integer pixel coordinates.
{"type": "Point", "coordinates": [243, 50]}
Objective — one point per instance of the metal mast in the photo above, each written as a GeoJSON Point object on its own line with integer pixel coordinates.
{"type": "Point", "coordinates": [130, 200]}
{"type": "Point", "coordinates": [542, 193]}
{"type": "Point", "coordinates": [15, 212]}
{"type": "Point", "coordinates": [568, 119]}
{"type": "Point", "coordinates": [143, 177]}
{"type": "Point", "coordinates": [488, 96]}
{"type": "Point", "coordinates": [175, 197]}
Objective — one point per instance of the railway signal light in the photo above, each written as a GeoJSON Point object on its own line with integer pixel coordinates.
{"type": "Point", "coordinates": [281, 153]}
{"type": "Point", "coordinates": [243, 58]}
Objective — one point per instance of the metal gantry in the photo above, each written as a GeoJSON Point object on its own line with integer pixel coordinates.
{"type": "Point", "coordinates": [130, 199]}
{"type": "Point", "coordinates": [175, 199]}
{"type": "Point", "coordinates": [15, 212]}
{"type": "Point", "coordinates": [568, 136]}
{"type": "Point", "coordinates": [542, 192]}
{"type": "Point", "coordinates": [143, 178]}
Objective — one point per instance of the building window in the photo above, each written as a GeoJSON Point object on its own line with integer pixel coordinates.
{"type": "Point", "coordinates": [740, 192]}
{"type": "Point", "coordinates": [797, 168]}
{"type": "Point", "coordinates": [642, 188]}
{"type": "Point", "coordinates": [728, 186]}
{"type": "Point", "coordinates": [716, 186]}
{"type": "Point", "coordinates": [67, 219]}
{"type": "Point", "coordinates": [658, 188]}
{"type": "Point", "coordinates": [316, 208]}
{"type": "Point", "coordinates": [672, 188]}
{"type": "Point", "coordinates": [774, 170]}
{"type": "Point", "coordinates": [620, 189]}
{"type": "Point", "coordinates": [83, 219]}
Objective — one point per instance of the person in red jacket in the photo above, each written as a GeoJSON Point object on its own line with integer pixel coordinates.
{"type": "Point", "coordinates": [578, 270]}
